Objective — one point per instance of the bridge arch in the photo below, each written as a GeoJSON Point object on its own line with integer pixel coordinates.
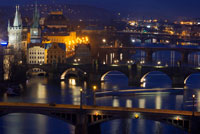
{"type": "Point", "coordinates": [36, 71]}
{"type": "Point", "coordinates": [190, 76]}
{"type": "Point", "coordinates": [66, 117]}
{"type": "Point", "coordinates": [74, 72]}
{"type": "Point", "coordinates": [143, 78]}
{"type": "Point", "coordinates": [176, 121]}
{"type": "Point", "coordinates": [116, 71]}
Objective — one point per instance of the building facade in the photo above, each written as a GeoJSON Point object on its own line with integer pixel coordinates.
{"type": "Point", "coordinates": [56, 54]}
{"type": "Point", "coordinates": [36, 54]}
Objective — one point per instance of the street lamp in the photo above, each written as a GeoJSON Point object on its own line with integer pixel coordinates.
{"type": "Point", "coordinates": [104, 40]}
{"type": "Point", "coordinates": [94, 96]}
{"type": "Point", "coordinates": [81, 97]}
{"type": "Point", "coordinates": [193, 98]}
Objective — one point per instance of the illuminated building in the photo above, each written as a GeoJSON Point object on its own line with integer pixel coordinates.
{"type": "Point", "coordinates": [56, 53]}
{"type": "Point", "coordinates": [36, 54]}
{"type": "Point", "coordinates": [15, 31]}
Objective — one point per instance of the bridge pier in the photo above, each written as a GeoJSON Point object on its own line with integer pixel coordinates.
{"type": "Point", "coordinates": [184, 57]}
{"type": "Point", "coordinates": [148, 56]}
{"type": "Point", "coordinates": [177, 81]}
{"type": "Point", "coordinates": [134, 75]}
{"type": "Point", "coordinates": [94, 129]}
{"type": "Point", "coordinates": [94, 80]}
{"type": "Point", "coordinates": [194, 126]}
{"type": "Point", "coordinates": [81, 126]}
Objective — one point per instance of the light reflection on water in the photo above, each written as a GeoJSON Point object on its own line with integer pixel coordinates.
{"type": "Point", "coordinates": [42, 91]}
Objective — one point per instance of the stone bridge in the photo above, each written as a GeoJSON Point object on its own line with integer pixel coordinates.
{"type": "Point", "coordinates": [128, 51]}
{"type": "Point", "coordinates": [160, 37]}
{"type": "Point", "coordinates": [94, 73]}
{"type": "Point", "coordinates": [87, 119]}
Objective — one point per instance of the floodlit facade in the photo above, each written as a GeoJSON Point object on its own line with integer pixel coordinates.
{"type": "Point", "coordinates": [15, 31]}
{"type": "Point", "coordinates": [36, 55]}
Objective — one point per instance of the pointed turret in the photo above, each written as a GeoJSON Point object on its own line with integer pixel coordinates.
{"type": "Point", "coordinates": [8, 23]}
{"type": "Point", "coordinates": [17, 20]}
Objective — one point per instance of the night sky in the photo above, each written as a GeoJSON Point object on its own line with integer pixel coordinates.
{"type": "Point", "coordinates": [146, 8]}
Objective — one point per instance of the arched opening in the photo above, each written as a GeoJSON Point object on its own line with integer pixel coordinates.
{"type": "Point", "coordinates": [28, 123]}
{"type": "Point", "coordinates": [194, 58]}
{"type": "Point", "coordinates": [156, 79]}
{"type": "Point", "coordinates": [36, 72]}
{"type": "Point", "coordinates": [166, 58]}
{"type": "Point", "coordinates": [192, 81]}
{"type": "Point", "coordinates": [73, 75]}
{"type": "Point", "coordinates": [114, 80]}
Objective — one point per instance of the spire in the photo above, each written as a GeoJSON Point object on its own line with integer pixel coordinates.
{"type": "Point", "coordinates": [8, 23]}
{"type": "Point", "coordinates": [17, 20]}
{"type": "Point", "coordinates": [36, 17]}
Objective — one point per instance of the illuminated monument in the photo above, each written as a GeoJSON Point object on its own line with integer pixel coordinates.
{"type": "Point", "coordinates": [15, 31]}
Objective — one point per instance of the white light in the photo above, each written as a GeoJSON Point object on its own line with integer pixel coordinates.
{"type": "Point", "coordinates": [72, 82]}
{"type": "Point", "coordinates": [148, 26]}
{"type": "Point", "coordinates": [133, 40]}
{"type": "Point", "coordinates": [159, 62]}
{"type": "Point", "coordinates": [104, 40]}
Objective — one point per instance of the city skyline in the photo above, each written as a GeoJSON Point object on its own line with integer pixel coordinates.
{"type": "Point", "coordinates": [143, 8]}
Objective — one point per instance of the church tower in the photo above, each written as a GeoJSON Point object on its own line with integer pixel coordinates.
{"type": "Point", "coordinates": [15, 31]}
{"type": "Point", "coordinates": [35, 29]}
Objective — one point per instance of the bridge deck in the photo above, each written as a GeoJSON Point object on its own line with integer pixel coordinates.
{"type": "Point", "coordinates": [62, 107]}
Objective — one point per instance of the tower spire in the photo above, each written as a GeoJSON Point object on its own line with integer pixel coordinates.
{"type": "Point", "coordinates": [17, 20]}
{"type": "Point", "coordinates": [8, 23]}
{"type": "Point", "coordinates": [36, 17]}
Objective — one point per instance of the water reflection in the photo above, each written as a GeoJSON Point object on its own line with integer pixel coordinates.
{"type": "Point", "coordinates": [115, 102]}
{"type": "Point", "coordinates": [41, 92]}
{"type": "Point", "coordinates": [142, 103]}
{"type": "Point", "coordinates": [72, 81]}
{"type": "Point", "coordinates": [198, 101]}
{"type": "Point", "coordinates": [158, 101]}
{"type": "Point", "coordinates": [129, 103]}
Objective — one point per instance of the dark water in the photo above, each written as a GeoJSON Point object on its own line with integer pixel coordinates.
{"type": "Point", "coordinates": [39, 90]}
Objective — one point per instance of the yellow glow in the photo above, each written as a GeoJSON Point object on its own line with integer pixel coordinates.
{"type": "Point", "coordinates": [81, 90]}
{"type": "Point", "coordinates": [96, 113]}
{"type": "Point", "coordinates": [41, 91]}
{"type": "Point", "coordinates": [94, 87]}
{"type": "Point", "coordinates": [136, 116]}
{"type": "Point", "coordinates": [72, 82]}
{"type": "Point", "coordinates": [177, 118]}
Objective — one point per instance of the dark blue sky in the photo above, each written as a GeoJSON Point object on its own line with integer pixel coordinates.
{"type": "Point", "coordinates": [147, 8]}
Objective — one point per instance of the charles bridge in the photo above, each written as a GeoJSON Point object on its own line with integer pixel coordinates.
{"type": "Point", "coordinates": [94, 73]}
